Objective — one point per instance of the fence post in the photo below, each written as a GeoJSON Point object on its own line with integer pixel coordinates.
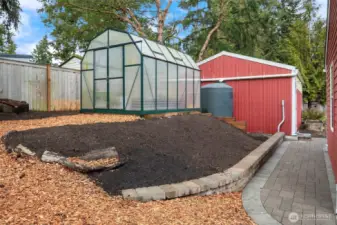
{"type": "Point", "coordinates": [48, 88]}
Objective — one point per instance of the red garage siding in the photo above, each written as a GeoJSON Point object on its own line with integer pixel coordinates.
{"type": "Point", "coordinates": [331, 59]}
{"type": "Point", "coordinates": [258, 102]}
{"type": "Point", "coordinates": [226, 66]}
{"type": "Point", "coordinates": [259, 86]}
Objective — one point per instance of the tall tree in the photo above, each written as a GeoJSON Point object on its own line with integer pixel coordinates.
{"type": "Point", "coordinates": [7, 44]}
{"type": "Point", "coordinates": [10, 18]}
{"type": "Point", "coordinates": [10, 13]}
{"type": "Point", "coordinates": [41, 53]}
{"type": "Point", "coordinates": [205, 18]}
{"type": "Point", "coordinates": [76, 22]}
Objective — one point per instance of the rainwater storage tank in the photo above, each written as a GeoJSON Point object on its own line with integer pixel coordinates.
{"type": "Point", "coordinates": [217, 98]}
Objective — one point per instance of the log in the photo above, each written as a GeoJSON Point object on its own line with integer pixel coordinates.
{"type": "Point", "coordinates": [107, 153]}
{"type": "Point", "coordinates": [100, 154]}
{"type": "Point", "coordinates": [9, 105]}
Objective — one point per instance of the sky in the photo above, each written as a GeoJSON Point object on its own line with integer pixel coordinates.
{"type": "Point", "coordinates": [32, 29]}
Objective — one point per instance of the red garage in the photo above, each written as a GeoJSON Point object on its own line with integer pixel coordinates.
{"type": "Point", "coordinates": [259, 86]}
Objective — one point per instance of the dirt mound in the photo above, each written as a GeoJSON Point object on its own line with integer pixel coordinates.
{"type": "Point", "coordinates": [159, 151]}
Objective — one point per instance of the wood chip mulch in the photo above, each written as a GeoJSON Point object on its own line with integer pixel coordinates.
{"type": "Point", "coordinates": [33, 192]}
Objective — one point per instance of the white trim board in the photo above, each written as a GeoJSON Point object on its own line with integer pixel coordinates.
{"type": "Point", "coordinates": [293, 106]}
{"type": "Point", "coordinates": [249, 58]}
{"type": "Point", "coordinates": [249, 77]}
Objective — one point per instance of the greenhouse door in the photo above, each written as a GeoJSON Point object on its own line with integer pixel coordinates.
{"type": "Point", "coordinates": [116, 74]}
{"type": "Point", "coordinates": [109, 78]}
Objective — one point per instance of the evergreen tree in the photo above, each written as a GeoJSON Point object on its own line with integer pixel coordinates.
{"type": "Point", "coordinates": [41, 53]}
{"type": "Point", "coordinates": [10, 18]}
{"type": "Point", "coordinates": [7, 45]}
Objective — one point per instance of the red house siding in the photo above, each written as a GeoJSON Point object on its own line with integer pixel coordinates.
{"type": "Point", "coordinates": [331, 59]}
{"type": "Point", "coordinates": [226, 66]}
{"type": "Point", "coordinates": [258, 102]}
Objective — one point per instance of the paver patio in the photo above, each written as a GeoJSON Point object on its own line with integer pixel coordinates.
{"type": "Point", "coordinates": [296, 190]}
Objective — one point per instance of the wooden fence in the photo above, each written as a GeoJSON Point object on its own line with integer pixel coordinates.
{"type": "Point", "coordinates": [44, 87]}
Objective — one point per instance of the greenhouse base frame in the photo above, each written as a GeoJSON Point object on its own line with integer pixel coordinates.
{"type": "Point", "coordinates": [135, 112]}
{"type": "Point", "coordinates": [184, 70]}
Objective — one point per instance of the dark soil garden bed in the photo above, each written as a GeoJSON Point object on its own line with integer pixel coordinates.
{"type": "Point", "coordinates": [158, 151]}
{"type": "Point", "coordinates": [33, 115]}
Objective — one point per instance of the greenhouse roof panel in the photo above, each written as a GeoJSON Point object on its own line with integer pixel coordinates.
{"type": "Point", "coordinates": [146, 47]}
{"type": "Point", "coordinates": [185, 60]}
{"type": "Point", "coordinates": [143, 46]}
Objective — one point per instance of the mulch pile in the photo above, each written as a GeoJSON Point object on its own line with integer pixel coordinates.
{"type": "Point", "coordinates": [158, 151]}
{"type": "Point", "coordinates": [33, 192]}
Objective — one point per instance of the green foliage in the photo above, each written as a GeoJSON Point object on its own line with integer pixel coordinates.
{"type": "Point", "coordinates": [7, 46]}
{"type": "Point", "coordinates": [10, 13]}
{"type": "Point", "coordinates": [10, 18]}
{"type": "Point", "coordinates": [312, 114]}
{"type": "Point", "coordinates": [41, 53]}
{"type": "Point", "coordinates": [76, 22]}
{"type": "Point", "coordinates": [285, 31]}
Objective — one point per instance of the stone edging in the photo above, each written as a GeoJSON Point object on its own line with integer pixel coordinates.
{"type": "Point", "coordinates": [231, 180]}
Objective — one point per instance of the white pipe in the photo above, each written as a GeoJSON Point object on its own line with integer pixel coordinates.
{"type": "Point", "coordinates": [283, 117]}
{"type": "Point", "coordinates": [249, 77]}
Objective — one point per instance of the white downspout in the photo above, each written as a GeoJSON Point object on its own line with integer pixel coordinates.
{"type": "Point", "coordinates": [283, 117]}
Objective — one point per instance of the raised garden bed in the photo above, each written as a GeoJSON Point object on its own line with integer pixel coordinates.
{"type": "Point", "coordinates": [158, 151]}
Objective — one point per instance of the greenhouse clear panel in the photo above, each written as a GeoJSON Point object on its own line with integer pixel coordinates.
{"type": "Point", "coordinates": [186, 61]}
{"type": "Point", "coordinates": [190, 96]}
{"type": "Point", "coordinates": [101, 63]}
{"type": "Point", "coordinates": [167, 53]}
{"type": "Point", "coordinates": [176, 56]}
{"type": "Point", "coordinates": [100, 41]}
{"type": "Point", "coordinates": [132, 55]}
{"type": "Point", "coordinates": [181, 87]}
{"type": "Point", "coordinates": [159, 56]}
{"type": "Point", "coordinates": [100, 94]}
{"type": "Point", "coordinates": [161, 85]}
{"type": "Point", "coordinates": [194, 65]}
{"type": "Point", "coordinates": [132, 88]}
{"type": "Point", "coordinates": [116, 37]}
{"type": "Point", "coordinates": [149, 84]}
{"type": "Point", "coordinates": [87, 90]}
{"type": "Point", "coordinates": [153, 46]}
{"type": "Point", "coordinates": [144, 48]}
{"type": "Point", "coordinates": [116, 62]}
{"type": "Point", "coordinates": [88, 59]}
{"type": "Point", "coordinates": [172, 86]}
{"type": "Point", "coordinates": [116, 93]}
{"type": "Point", "coordinates": [196, 89]}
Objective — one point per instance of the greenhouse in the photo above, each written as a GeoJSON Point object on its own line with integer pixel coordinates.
{"type": "Point", "coordinates": [125, 73]}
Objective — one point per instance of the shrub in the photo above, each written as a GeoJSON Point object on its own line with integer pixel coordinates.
{"type": "Point", "coordinates": [311, 114]}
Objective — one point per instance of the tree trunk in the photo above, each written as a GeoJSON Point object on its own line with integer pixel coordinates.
{"type": "Point", "coordinates": [209, 35]}
{"type": "Point", "coordinates": [161, 17]}
{"type": "Point", "coordinates": [222, 8]}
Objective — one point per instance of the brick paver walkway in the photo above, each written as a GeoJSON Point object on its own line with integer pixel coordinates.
{"type": "Point", "coordinates": [299, 186]}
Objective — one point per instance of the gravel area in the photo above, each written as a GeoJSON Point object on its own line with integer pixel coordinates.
{"type": "Point", "coordinates": [33, 192]}
{"type": "Point", "coordinates": [159, 151]}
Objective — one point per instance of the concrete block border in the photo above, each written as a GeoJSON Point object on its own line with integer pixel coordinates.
{"type": "Point", "coordinates": [231, 180]}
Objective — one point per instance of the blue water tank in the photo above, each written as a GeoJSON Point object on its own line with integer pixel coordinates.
{"type": "Point", "coordinates": [217, 98]}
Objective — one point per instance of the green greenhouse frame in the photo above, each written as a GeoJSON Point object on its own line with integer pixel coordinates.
{"type": "Point", "coordinates": [127, 74]}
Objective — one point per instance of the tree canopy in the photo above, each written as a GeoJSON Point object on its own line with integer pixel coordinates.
{"type": "Point", "coordinates": [286, 31]}
{"type": "Point", "coordinates": [41, 53]}
{"type": "Point", "coordinates": [10, 18]}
